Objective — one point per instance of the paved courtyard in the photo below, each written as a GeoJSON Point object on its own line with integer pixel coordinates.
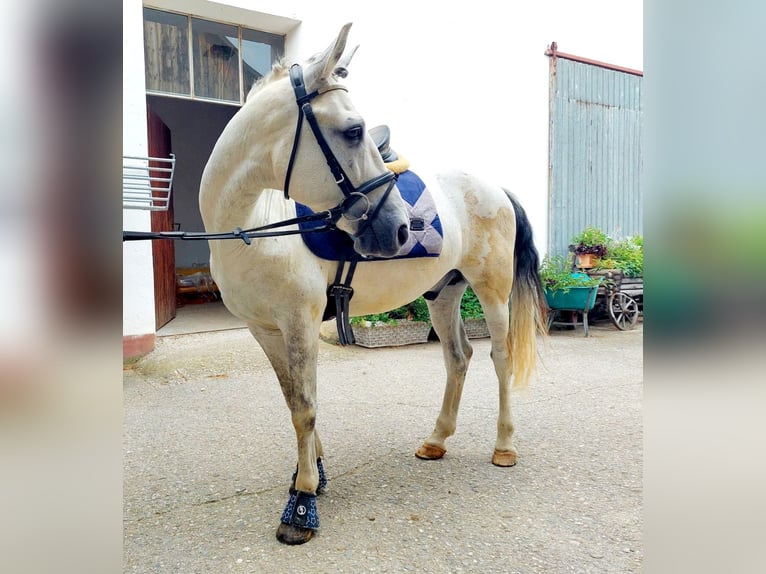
{"type": "Point", "coordinates": [209, 451]}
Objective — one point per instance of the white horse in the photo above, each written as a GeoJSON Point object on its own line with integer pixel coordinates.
{"type": "Point", "coordinates": [279, 288]}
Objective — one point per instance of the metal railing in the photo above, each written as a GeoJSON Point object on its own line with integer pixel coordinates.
{"type": "Point", "coordinates": [147, 182]}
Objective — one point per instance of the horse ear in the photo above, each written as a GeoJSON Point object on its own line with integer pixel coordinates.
{"type": "Point", "coordinates": [322, 66]}
{"type": "Point", "coordinates": [341, 70]}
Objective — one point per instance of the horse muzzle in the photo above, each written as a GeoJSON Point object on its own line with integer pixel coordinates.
{"type": "Point", "coordinates": [384, 234]}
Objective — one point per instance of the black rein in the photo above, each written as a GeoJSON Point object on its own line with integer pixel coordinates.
{"type": "Point", "coordinates": [329, 217]}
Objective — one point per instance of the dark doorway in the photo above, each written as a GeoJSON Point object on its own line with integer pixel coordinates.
{"type": "Point", "coordinates": [190, 129]}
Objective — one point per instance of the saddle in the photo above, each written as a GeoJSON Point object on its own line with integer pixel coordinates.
{"type": "Point", "coordinates": [381, 135]}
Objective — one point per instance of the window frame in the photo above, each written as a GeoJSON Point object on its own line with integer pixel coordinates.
{"type": "Point", "coordinates": [275, 41]}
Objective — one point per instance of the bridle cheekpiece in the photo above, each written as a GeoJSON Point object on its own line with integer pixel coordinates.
{"type": "Point", "coordinates": [352, 194]}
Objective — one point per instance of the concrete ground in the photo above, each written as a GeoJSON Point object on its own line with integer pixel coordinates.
{"type": "Point", "coordinates": [209, 451]}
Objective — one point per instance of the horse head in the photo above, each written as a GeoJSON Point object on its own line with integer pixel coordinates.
{"type": "Point", "coordinates": [326, 156]}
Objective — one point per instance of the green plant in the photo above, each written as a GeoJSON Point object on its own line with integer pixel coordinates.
{"type": "Point", "coordinates": [556, 274]}
{"type": "Point", "coordinates": [374, 319]}
{"type": "Point", "coordinates": [626, 255]}
{"type": "Point", "coordinates": [590, 241]}
{"type": "Point", "coordinates": [470, 308]}
{"type": "Point", "coordinates": [416, 310]}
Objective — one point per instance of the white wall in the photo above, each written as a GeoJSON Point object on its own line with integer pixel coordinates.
{"type": "Point", "coordinates": [461, 87]}
{"type": "Point", "coordinates": [468, 87]}
{"type": "Point", "coordinates": [137, 273]}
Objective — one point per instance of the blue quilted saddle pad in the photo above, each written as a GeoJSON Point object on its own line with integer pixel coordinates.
{"type": "Point", "coordinates": [426, 232]}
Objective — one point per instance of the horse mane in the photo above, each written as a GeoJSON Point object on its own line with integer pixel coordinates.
{"type": "Point", "coordinates": [278, 70]}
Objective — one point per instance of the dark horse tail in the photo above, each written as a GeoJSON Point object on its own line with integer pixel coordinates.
{"type": "Point", "coordinates": [528, 307]}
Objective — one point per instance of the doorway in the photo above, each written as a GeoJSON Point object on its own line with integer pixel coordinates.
{"type": "Point", "coordinates": [190, 130]}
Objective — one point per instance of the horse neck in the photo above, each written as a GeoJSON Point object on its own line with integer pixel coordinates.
{"type": "Point", "coordinates": [251, 208]}
{"type": "Point", "coordinates": [236, 190]}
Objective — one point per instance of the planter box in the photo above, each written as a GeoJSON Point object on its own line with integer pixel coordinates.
{"type": "Point", "coordinates": [391, 334]}
{"type": "Point", "coordinates": [476, 328]}
{"type": "Point", "coordinates": [576, 299]}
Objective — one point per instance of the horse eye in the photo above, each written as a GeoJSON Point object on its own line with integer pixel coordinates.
{"type": "Point", "coordinates": [354, 134]}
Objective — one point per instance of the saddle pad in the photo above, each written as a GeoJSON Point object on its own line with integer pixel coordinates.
{"type": "Point", "coordinates": [426, 232]}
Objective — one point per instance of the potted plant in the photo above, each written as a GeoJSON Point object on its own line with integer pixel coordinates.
{"type": "Point", "coordinates": [567, 291]}
{"type": "Point", "coordinates": [411, 323]}
{"type": "Point", "coordinates": [564, 289]}
{"type": "Point", "coordinates": [404, 325]}
{"type": "Point", "coordinates": [623, 272]}
{"type": "Point", "coordinates": [589, 246]}
{"type": "Point", "coordinates": [626, 255]}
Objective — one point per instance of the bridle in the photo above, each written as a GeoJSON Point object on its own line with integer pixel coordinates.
{"type": "Point", "coordinates": [339, 292]}
{"type": "Point", "coordinates": [352, 194]}
{"type": "Point", "coordinates": [326, 218]}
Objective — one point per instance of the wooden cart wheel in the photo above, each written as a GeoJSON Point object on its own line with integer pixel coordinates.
{"type": "Point", "coordinates": [623, 311]}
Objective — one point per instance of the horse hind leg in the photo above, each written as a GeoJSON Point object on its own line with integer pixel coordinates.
{"type": "Point", "coordinates": [445, 316]}
{"type": "Point", "coordinates": [457, 350]}
{"type": "Point", "coordinates": [498, 322]}
{"type": "Point", "coordinates": [494, 302]}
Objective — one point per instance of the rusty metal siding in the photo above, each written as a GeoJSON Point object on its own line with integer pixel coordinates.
{"type": "Point", "coordinates": [595, 157]}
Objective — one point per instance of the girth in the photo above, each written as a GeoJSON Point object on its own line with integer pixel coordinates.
{"type": "Point", "coordinates": [339, 295]}
{"type": "Point", "coordinates": [338, 298]}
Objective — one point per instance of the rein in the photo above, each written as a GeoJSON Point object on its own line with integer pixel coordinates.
{"type": "Point", "coordinates": [245, 235]}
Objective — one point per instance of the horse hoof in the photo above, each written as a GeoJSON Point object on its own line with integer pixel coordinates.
{"type": "Point", "coordinates": [504, 458]}
{"type": "Point", "coordinates": [288, 534]}
{"type": "Point", "coordinates": [430, 452]}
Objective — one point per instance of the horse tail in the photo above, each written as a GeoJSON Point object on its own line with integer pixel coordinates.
{"type": "Point", "coordinates": [528, 306]}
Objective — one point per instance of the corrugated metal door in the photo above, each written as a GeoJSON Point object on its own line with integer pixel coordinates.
{"type": "Point", "coordinates": [595, 158]}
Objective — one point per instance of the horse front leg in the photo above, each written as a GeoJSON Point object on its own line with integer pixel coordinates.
{"type": "Point", "coordinates": [457, 350]}
{"type": "Point", "coordinates": [294, 359]}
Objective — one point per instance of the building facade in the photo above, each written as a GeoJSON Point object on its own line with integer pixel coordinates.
{"type": "Point", "coordinates": [464, 86]}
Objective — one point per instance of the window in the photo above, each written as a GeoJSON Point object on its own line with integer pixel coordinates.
{"type": "Point", "coordinates": [202, 59]}
{"type": "Point", "coordinates": [166, 52]}
{"type": "Point", "coordinates": [216, 60]}
{"type": "Point", "coordinates": [259, 52]}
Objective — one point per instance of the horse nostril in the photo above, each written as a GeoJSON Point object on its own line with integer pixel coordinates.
{"type": "Point", "coordinates": [404, 234]}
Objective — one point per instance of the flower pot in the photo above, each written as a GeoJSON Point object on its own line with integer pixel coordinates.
{"type": "Point", "coordinates": [586, 260]}
{"type": "Point", "coordinates": [373, 335]}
